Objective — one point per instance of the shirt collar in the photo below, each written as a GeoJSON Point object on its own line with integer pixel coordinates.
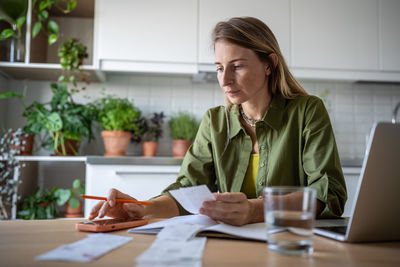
{"type": "Point", "coordinates": [273, 116]}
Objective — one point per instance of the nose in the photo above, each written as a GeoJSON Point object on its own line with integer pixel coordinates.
{"type": "Point", "coordinates": [225, 78]}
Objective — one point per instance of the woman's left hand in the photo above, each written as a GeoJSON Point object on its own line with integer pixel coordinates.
{"type": "Point", "coordinates": [230, 208]}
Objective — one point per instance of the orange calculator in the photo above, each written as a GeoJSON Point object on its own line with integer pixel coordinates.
{"type": "Point", "coordinates": [108, 225]}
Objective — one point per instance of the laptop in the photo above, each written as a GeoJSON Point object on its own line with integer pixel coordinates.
{"type": "Point", "coordinates": [375, 214]}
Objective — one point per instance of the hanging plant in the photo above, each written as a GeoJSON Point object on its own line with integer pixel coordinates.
{"type": "Point", "coordinates": [42, 9]}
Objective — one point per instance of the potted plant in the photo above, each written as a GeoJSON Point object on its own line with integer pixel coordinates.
{"type": "Point", "coordinates": [9, 166]}
{"type": "Point", "coordinates": [14, 13]}
{"type": "Point", "coordinates": [39, 206]}
{"type": "Point", "coordinates": [183, 129]}
{"type": "Point", "coordinates": [71, 199]}
{"type": "Point", "coordinates": [151, 131]}
{"type": "Point", "coordinates": [65, 122]}
{"type": "Point", "coordinates": [118, 118]}
{"type": "Point", "coordinates": [27, 138]}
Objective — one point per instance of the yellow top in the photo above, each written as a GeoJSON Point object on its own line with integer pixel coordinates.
{"type": "Point", "coordinates": [249, 183]}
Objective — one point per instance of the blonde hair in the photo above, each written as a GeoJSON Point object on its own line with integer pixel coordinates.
{"type": "Point", "coordinates": [253, 34]}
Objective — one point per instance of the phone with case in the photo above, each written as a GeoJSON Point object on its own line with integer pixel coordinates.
{"type": "Point", "coordinates": [108, 225]}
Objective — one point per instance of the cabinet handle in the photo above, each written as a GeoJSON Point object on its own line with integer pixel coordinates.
{"type": "Point", "coordinates": [136, 173]}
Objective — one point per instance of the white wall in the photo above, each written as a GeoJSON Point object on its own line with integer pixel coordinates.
{"type": "Point", "coordinates": [353, 107]}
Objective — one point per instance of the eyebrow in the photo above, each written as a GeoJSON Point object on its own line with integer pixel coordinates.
{"type": "Point", "coordinates": [233, 60]}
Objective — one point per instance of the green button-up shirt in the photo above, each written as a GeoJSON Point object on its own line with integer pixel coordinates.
{"type": "Point", "coordinates": [296, 145]}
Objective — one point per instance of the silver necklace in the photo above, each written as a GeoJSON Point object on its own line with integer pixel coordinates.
{"type": "Point", "coordinates": [249, 121]}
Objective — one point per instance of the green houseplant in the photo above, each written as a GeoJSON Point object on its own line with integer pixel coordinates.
{"type": "Point", "coordinates": [72, 53]}
{"type": "Point", "coordinates": [42, 9]}
{"type": "Point", "coordinates": [9, 165]}
{"type": "Point", "coordinates": [183, 129]}
{"type": "Point", "coordinates": [151, 131]}
{"type": "Point", "coordinates": [42, 205]}
{"type": "Point", "coordinates": [65, 122]}
{"type": "Point", "coordinates": [14, 13]}
{"type": "Point", "coordinates": [28, 129]}
{"type": "Point", "coordinates": [71, 198]}
{"type": "Point", "coordinates": [118, 117]}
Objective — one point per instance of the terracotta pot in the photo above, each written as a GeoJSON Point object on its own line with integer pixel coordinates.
{"type": "Point", "coordinates": [25, 149]}
{"type": "Point", "coordinates": [71, 148]}
{"type": "Point", "coordinates": [73, 213]}
{"type": "Point", "coordinates": [149, 149]}
{"type": "Point", "coordinates": [179, 147]}
{"type": "Point", "coordinates": [116, 143]}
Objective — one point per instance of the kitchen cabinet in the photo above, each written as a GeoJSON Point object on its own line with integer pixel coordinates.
{"type": "Point", "coordinates": [389, 22]}
{"type": "Point", "coordinates": [139, 181]}
{"type": "Point", "coordinates": [147, 36]}
{"type": "Point", "coordinates": [338, 35]}
{"type": "Point", "coordinates": [276, 14]}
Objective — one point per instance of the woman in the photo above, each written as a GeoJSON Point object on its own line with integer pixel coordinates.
{"type": "Point", "coordinates": [269, 133]}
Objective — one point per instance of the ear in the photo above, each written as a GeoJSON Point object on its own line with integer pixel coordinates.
{"type": "Point", "coordinates": [274, 58]}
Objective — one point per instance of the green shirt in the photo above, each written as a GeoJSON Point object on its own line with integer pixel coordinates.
{"type": "Point", "coordinates": [296, 145]}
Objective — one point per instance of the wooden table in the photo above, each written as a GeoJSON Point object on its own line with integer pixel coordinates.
{"type": "Point", "coordinates": [21, 241]}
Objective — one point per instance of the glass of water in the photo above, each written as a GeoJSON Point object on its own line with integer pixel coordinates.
{"type": "Point", "coordinates": [289, 213]}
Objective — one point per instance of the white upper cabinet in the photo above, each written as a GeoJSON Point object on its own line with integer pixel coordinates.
{"type": "Point", "coordinates": [276, 14]}
{"type": "Point", "coordinates": [147, 35]}
{"type": "Point", "coordinates": [336, 35]}
{"type": "Point", "coordinates": [389, 14]}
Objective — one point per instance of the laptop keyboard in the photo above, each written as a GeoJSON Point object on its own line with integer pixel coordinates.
{"type": "Point", "coordinates": [336, 229]}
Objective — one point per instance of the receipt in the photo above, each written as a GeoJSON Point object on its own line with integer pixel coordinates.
{"type": "Point", "coordinates": [179, 231]}
{"type": "Point", "coordinates": [191, 198]}
{"type": "Point", "coordinates": [87, 249]}
{"type": "Point", "coordinates": [173, 253]}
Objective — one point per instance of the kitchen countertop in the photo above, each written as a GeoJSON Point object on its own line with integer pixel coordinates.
{"type": "Point", "coordinates": [135, 160]}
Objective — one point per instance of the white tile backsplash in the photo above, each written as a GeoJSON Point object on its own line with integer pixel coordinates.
{"type": "Point", "coordinates": [353, 107]}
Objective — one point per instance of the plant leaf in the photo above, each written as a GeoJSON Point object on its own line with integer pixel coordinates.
{"type": "Point", "coordinates": [53, 38]}
{"type": "Point", "coordinates": [10, 94]}
{"type": "Point", "coordinates": [54, 122]}
{"type": "Point", "coordinates": [20, 22]}
{"type": "Point", "coordinates": [76, 184]}
{"type": "Point", "coordinates": [43, 14]}
{"type": "Point", "coordinates": [73, 203]}
{"type": "Point", "coordinates": [52, 26]}
{"type": "Point", "coordinates": [71, 5]}
{"type": "Point", "coordinates": [6, 33]}
{"type": "Point", "coordinates": [36, 29]}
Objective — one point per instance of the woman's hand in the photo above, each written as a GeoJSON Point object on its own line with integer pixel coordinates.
{"type": "Point", "coordinates": [230, 208]}
{"type": "Point", "coordinates": [114, 209]}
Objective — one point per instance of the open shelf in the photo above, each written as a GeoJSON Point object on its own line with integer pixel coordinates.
{"type": "Point", "coordinates": [41, 60]}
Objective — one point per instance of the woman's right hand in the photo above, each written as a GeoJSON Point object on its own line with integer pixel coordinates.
{"type": "Point", "coordinates": [114, 209]}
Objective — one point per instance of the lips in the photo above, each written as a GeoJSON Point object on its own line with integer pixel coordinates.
{"type": "Point", "coordinates": [232, 92]}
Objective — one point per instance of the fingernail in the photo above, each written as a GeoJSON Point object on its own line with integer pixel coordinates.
{"type": "Point", "coordinates": [111, 203]}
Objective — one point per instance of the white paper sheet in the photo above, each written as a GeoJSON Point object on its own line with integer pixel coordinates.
{"type": "Point", "coordinates": [154, 228]}
{"type": "Point", "coordinates": [256, 231]}
{"type": "Point", "coordinates": [87, 249]}
{"type": "Point", "coordinates": [191, 198]}
{"type": "Point", "coordinates": [173, 253]}
{"type": "Point", "coordinates": [179, 232]}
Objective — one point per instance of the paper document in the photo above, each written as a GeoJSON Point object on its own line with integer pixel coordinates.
{"type": "Point", "coordinates": [191, 198]}
{"type": "Point", "coordinates": [173, 253]}
{"type": "Point", "coordinates": [87, 249]}
{"type": "Point", "coordinates": [253, 231]}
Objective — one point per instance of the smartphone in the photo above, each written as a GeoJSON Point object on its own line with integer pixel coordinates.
{"type": "Point", "coordinates": [108, 225]}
